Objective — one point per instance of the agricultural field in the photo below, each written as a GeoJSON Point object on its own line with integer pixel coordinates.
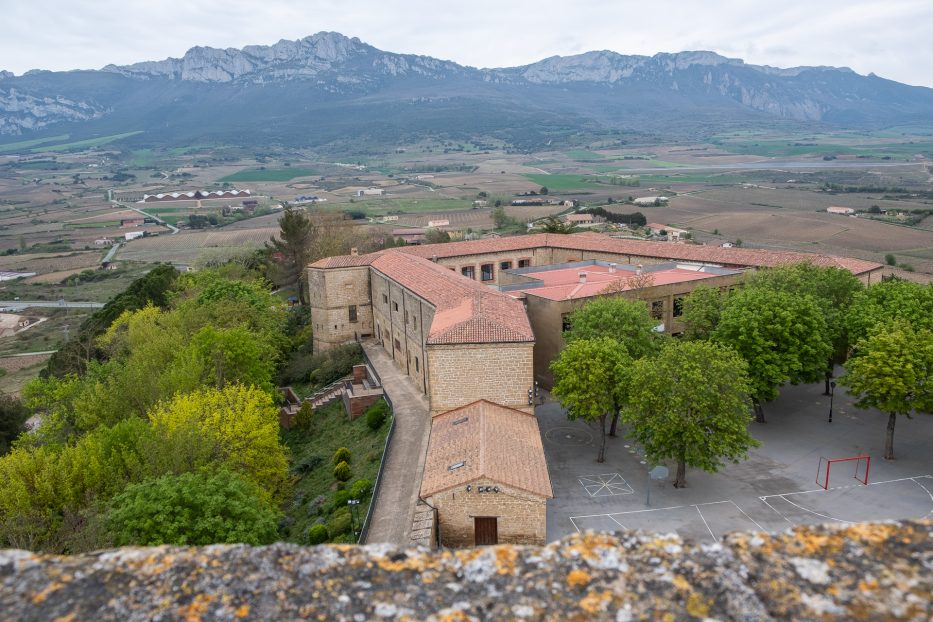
{"type": "Point", "coordinates": [273, 174]}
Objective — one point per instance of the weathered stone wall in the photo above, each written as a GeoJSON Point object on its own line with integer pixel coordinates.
{"type": "Point", "coordinates": [830, 573]}
{"type": "Point", "coordinates": [521, 516]}
{"type": "Point", "coordinates": [537, 257]}
{"type": "Point", "coordinates": [498, 372]}
{"type": "Point", "coordinates": [331, 293]}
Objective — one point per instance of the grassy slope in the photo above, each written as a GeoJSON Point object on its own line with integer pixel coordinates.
{"type": "Point", "coordinates": [330, 430]}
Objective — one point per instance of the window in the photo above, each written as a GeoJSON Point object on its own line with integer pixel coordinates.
{"type": "Point", "coordinates": [505, 265]}
{"type": "Point", "coordinates": [395, 304]}
{"type": "Point", "coordinates": [657, 309]}
{"type": "Point", "coordinates": [486, 272]}
{"type": "Point", "coordinates": [385, 299]}
{"type": "Point", "coordinates": [524, 263]}
{"type": "Point", "coordinates": [678, 306]}
{"type": "Point", "coordinates": [352, 310]}
{"type": "Point", "coordinates": [468, 271]}
{"type": "Point", "coordinates": [398, 346]}
{"type": "Point", "coordinates": [565, 323]}
{"type": "Point", "coordinates": [417, 364]}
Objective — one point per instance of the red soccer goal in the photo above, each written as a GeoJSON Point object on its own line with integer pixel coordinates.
{"type": "Point", "coordinates": [862, 466]}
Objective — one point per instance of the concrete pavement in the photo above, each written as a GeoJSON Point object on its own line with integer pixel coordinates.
{"type": "Point", "coordinates": [404, 460]}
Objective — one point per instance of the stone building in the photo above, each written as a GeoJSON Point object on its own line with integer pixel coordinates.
{"type": "Point", "coordinates": [486, 475]}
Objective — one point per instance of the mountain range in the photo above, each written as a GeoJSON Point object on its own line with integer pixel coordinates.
{"type": "Point", "coordinates": [328, 89]}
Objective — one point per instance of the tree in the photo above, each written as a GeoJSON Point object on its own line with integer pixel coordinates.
{"type": "Point", "coordinates": [590, 380]}
{"type": "Point", "coordinates": [244, 423]}
{"type": "Point", "coordinates": [553, 224]}
{"type": "Point", "coordinates": [13, 416]}
{"type": "Point", "coordinates": [543, 190]}
{"type": "Point", "coordinates": [626, 321]}
{"type": "Point", "coordinates": [892, 370]}
{"type": "Point", "coordinates": [690, 403]}
{"type": "Point", "coordinates": [193, 509]}
{"type": "Point", "coordinates": [886, 302]}
{"type": "Point", "coordinates": [701, 312]}
{"type": "Point", "coordinates": [890, 259]}
{"type": "Point", "coordinates": [781, 336]}
{"type": "Point", "coordinates": [499, 217]}
{"type": "Point", "coordinates": [436, 236]}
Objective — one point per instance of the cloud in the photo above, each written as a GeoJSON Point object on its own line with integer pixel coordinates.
{"type": "Point", "coordinates": [890, 39]}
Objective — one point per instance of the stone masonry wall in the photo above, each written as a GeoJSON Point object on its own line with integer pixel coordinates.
{"type": "Point", "coordinates": [829, 573]}
{"type": "Point", "coordinates": [537, 256]}
{"type": "Point", "coordinates": [498, 372]}
{"type": "Point", "coordinates": [521, 517]}
{"type": "Point", "coordinates": [331, 293]}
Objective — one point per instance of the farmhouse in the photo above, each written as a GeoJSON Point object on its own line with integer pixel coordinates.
{"type": "Point", "coordinates": [410, 236]}
{"type": "Point", "coordinates": [647, 201]}
{"type": "Point", "coordinates": [132, 222]}
{"type": "Point", "coordinates": [672, 233]}
{"type": "Point", "coordinates": [845, 211]}
{"type": "Point", "coordinates": [486, 475]}
{"type": "Point", "coordinates": [370, 191]}
{"type": "Point", "coordinates": [583, 219]}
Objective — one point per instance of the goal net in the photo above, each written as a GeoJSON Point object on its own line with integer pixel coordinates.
{"type": "Point", "coordinates": [856, 466]}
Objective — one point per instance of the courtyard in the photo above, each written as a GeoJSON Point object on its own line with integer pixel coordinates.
{"type": "Point", "coordinates": [776, 488]}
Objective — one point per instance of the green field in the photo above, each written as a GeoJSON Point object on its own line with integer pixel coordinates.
{"type": "Point", "coordinates": [408, 206]}
{"type": "Point", "coordinates": [102, 224]}
{"type": "Point", "coordinates": [561, 182]}
{"type": "Point", "coordinates": [694, 179]}
{"type": "Point", "coordinates": [90, 142]}
{"type": "Point", "coordinates": [269, 174]}
{"type": "Point", "coordinates": [25, 144]}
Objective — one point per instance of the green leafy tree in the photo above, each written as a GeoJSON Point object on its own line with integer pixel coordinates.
{"type": "Point", "coordinates": [553, 224]}
{"type": "Point", "coordinates": [591, 381]}
{"type": "Point", "coordinates": [500, 218]}
{"type": "Point", "coordinates": [701, 312]}
{"type": "Point", "coordinates": [436, 236]}
{"type": "Point", "coordinates": [317, 534]}
{"type": "Point", "coordinates": [781, 336]}
{"type": "Point", "coordinates": [623, 320]}
{"type": "Point", "coordinates": [690, 403]}
{"type": "Point", "coordinates": [892, 370]}
{"type": "Point", "coordinates": [234, 355]}
{"type": "Point", "coordinates": [193, 509]}
{"type": "Point", "coordinates": [13, 416]}
{"type": "Point", "coordinates": [889, 301]}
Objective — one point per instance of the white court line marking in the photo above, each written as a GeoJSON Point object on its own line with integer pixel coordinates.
{"type": "Point", "coordinates": [762, 499]}
{"type": "Point", "coordinates": [746, 515]}
{"type": "Point", "coordinates": [806, 492]}
{"type": "Point", "coordinates": [705, 523]}
{"type": "Point", "coordinates": [617, 522]}
{"type": "Point", "coordinates": [926, 491]}
{"type": "Point", "coordinates": [838, 520]}
{"type": "Point", "coordinates": [673, 507]}
{"type": "Point", "coordinates": [574, 524]}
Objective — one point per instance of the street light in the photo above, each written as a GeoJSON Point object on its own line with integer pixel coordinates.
{"type": "Point", "coordinates": [832, 391]}
{"type": "Point", "coordinates": [353, 519]}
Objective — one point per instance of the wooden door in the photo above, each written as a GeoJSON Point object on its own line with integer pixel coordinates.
{"type": "Point", "coordinates": [485, 530]}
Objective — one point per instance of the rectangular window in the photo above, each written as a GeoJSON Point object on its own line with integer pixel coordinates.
{"type": "Point", "coordinates": [417, 364]}
{"type": "Point", "coordinates": [486, 272]}
{"type": "Point", "coordinates": [678, 306]}
{"type": "Point", "coordinates": [352, 313]}
{"type": "Point", "coordinates": [524, 263]}
{"type": "Point", "coordinates": [385, 299]}
{"type": "Point", "coordinates": [657, 309]}
{"type": "Point", "coordinates": [395, 304]}
{"type": "Point", "coordinates": [505, 265]}
{"type": "Point", "coordinates": [565, 322]}
{"type": "Point", "coordinates": [468, 271]}
{"type": "Point", "coordinates": [398, 346]}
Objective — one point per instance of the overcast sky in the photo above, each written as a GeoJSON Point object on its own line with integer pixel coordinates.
{"type": "Point", "coordinates": [892, 38]}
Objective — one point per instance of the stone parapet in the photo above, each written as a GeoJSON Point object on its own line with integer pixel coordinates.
{"type": "Point", "coordinates": [856, 572]}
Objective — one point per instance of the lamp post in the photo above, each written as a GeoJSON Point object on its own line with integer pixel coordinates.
{"type": "Point", "coordinates": [832, 391]}
{"type": "Point", "coordinates": [353, 519]}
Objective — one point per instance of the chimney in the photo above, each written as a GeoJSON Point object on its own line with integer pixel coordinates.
{"type": "Point", "coordinates": [582, 276]}
{"type": "Point", "coordinates": [638, 269]}
{"type": "Point", "coordinates": [612, 268]}
{"type": "Point", "coordinates": [434, 258]}
{"type": "Point", "coordinates": [354, 251]}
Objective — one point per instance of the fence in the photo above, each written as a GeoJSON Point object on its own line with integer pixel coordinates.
{"type": "Point", "coordinates": [364, 530]}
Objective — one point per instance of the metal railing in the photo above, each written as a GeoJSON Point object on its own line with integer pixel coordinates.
{"type": "Point", "coordinates": [322, 392]}
{"type": "Point", "coordinates": [364, 530]}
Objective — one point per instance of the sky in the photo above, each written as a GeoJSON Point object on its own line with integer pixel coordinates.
{"type": "Point", "coordinates": [891, 38]}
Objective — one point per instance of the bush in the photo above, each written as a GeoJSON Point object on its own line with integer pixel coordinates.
{"type": "Point", "coordinates": [341, 455]}
{"type": "Point", "coordinates": [376, 414]}
{"type": "Point", "coordinates": [342, 472]}
{"type": "Point", "coordinates": [890, 259]}
{"type": "Point", "coordinates": [304, 416]}
{"type": "Point", "coordinates": [339, 523]}
{"type": "Point", "coordinates": [340, 499]}
{"type": "Point", "coordinates": [317, 534]}
{"type": "Point", "coordinates": [334, 364]}
{"type": "Point", "coordinates": [307, 464]}
{"type": "Point", "coordinates": [360, 489]}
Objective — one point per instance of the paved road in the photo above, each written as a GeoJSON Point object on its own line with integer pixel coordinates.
{"type": "Point", "coordinates": [404, 459]}
{"type": "Point", "coordinates": [148, 215]}
{"type": "Point", "coordinates": [19, 305]}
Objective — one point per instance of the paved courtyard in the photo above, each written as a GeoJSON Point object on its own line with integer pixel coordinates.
{"type": "Point", "coordinates": [773, 490]}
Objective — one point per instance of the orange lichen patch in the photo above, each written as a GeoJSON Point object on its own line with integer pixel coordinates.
{"type": "Point", "coordinates": [680, 583]}
{"type": "Point", "coordinates": [196, 609]}
{"type": "Point", "coordinates": [868, 586]}
{"type": "Point", "coordinates": [698, 605]}
{"type": "Point", "coordinates": [596, 602]}
{"type": "Point", "coordinates": [872, 533]}
{"type": "Point", "coordinates": [242, 611]}
{"type": "Point", "coordinates": [808, 543]}
{"type": "Point", "coordinates": [455, 616]}
{"type": "Point", "coordinates": [413, 562]}
{"type": "Point", "coordinates": [505, 560]}
{"type": "Point", "coordinates": [51, 587]}
{"type": "Point", "coordinates": [157, 564]}
{"type": "Point", "coordinates": [578, 578]}
{"type": "Point", "coordinates": [585, 546]}
{"type": "Point", "coordinates": [68, 618]}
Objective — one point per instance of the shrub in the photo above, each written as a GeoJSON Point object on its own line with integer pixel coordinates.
{"type": "Point", "coordinates": [317, 534]}
{"type": "Point", "coordinates": [360, 489]}
{"type": "Point", "coordinates": [890, 259]}
{"type": "Point", "coordinates": [340, 499]}
{"type": "Point", "coordinates": [339, 523]}
{"type": "Point", "coordinates": [376, 414]}
{"type": "Point", "coordinates": [342, 472]}
{"type": "Point", "coordinates": [333, 364]}
{"type": "Point", "coordinates": [304, 416]}
{"type": "Point", "coordinates": [341, 455]}
{"type": "Point", "coordinates": [307, 464]}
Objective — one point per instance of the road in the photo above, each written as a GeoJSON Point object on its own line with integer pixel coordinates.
{"type": "Point", "coordinates": [173, 228]}
{"type": "Point", "coordinates": [19, 305]}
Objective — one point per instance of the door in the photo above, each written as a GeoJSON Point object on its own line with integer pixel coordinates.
{"type": "Point", "coordinates": [485, 530]}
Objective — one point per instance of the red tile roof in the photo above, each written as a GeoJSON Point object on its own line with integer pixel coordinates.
{"type": "Point", "coordinates": [465, 311]}
{"type": "Point", "coordinates": [493, 443]}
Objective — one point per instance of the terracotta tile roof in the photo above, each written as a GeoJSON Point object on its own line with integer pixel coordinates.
{"type": "Point", "coordinates": [592, 241]}
{"type": "Point", "coordinates": [493, 442]}
{"type": "Point", "coordinates": [346, 261]}
{"type": "Point", "coordinates": [465, 310]}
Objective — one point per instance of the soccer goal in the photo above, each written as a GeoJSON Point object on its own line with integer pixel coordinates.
{"type": "Point", "coordinates": [862, 465]}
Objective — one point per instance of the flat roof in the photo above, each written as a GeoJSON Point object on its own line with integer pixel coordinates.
{"type": "Point", "coordinates": [564, 281]}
